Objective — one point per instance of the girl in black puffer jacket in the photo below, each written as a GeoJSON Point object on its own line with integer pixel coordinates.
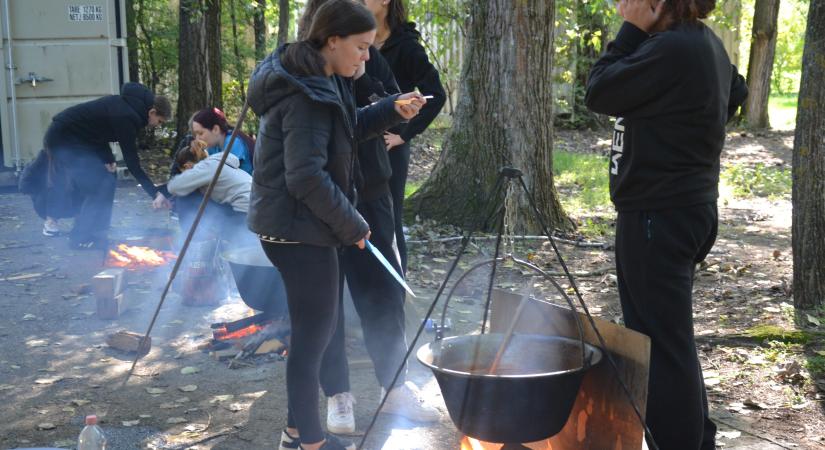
{"type": "Point", "coordinates": [301, 204]}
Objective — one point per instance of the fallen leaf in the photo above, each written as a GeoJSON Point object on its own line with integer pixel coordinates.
{"type": "Point", "coordinates": [47, 380]}
{"type": "Point", "coordinates": [168, 405]}
{"type": "Point", "coordinates": [196, 427]}
{"type": "Point", "coordinates": [68, 409]}
{"type": "Point", "coordinates": [729, 434]}
{"type": "Point", "coordinates": [221, 398]}
{"type": "Point", "coordinates": [188, 388]}
{"type": "Point", "coordinates": [812, 320]}
{"type": "Point", "coordinates": [235, 407]}
{"type": "Point", "coordinates": [174, 420]}
{"type": "Point", "coordinates": [15, 367]}
{"type": "Point", "coordinates": [182, 400]}
{"type": "Point", "coordinates": [189, 370]}
{"type": "Point", "coordinates": [130, 423]}
{"type": "Point", "coordinates": [45, 426]}
{"type": "Point", "coordinates": [65, 443]}
{"type": "Point", "coordinates": [24, 276]}
{"type": "Point", "coordinates": [155, 391]}
{"type": "Point", "coordinates": [820, 352]}
{"type": "Point", "coordinates": [80, 402]}
{"type": "Point", "coordinates": [145, 416]}
{"type": "Point", "coordinates": [6, 387]}
{"type": "Point", "coordinates": [29, 317]}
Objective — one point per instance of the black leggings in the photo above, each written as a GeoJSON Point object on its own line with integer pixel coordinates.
{"type": "Point", "coordinates": [399, 161]}
{"type": "Point", "coordinates": [656, 252]}
{"type": "Point", "coordinates": [310, 275]}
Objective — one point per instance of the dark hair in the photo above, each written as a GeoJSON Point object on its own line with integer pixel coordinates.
{"type": "Point", "coordinates": [396, 15]}
{"type": "Point", "coordinates": [340, 18]}
{"type": "Point", "coordinates": [162, 107]}
{"type": "Point", "coordinates": [689, 11]}
{"type": "Point", "coordinates": [305, 22]}
{"type": "Point", "coordinates": [209, 117]}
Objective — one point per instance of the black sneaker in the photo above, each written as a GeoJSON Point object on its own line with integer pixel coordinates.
{"type": "Point", "coordinates": [289, 442]}
{"type": "Point", "coordinates": [333, 442]}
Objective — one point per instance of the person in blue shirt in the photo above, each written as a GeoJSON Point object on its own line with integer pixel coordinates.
{"type": "Point", "coordinates": [210, 126]}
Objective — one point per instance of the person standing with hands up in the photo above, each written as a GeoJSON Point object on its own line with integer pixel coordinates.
{"type": "Point", "coordinates": [671, 86]}
{"type": "Point", "coordinates": [301, 205]}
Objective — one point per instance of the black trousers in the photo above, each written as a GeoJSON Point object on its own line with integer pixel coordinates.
{"type": "Point", "coordinates": [400, 162]}
{"type": "Point", "coordinates": [379, 301]}
{"type": "Point", "coordinates": [310, 274]}
{"type": "Point", "coordinates": [656, 255]}
{"type": "Point", "coordinates": [87, 178]}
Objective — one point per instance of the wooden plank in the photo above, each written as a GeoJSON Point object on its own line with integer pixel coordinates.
{"type": "Point", "coordinates": [110, 308]}
{"type": "Point", "coordinates": [602, 417]}
{"type": "Point", "coordinates": [108, 283]}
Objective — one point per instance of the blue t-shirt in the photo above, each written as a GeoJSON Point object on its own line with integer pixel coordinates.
{"type": "Point", "coordinates": [238, 149]}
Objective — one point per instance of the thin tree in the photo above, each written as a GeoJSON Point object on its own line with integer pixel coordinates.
{"type": "Point", "coordinates": [240, 72]}
{"type": "Point", "coordinates": [131, 41]}
{"type": "Point", "coordinates": [213, 50]}
{"type": "Point", "coordinates": [503, 117]}
{"type": "Point", "coordinates": [808, 227]}
{"type": "Point", "coordinates": [259, 29]}
{"type": "Point", "coordinates": [283, 21]}
{"type": "Point", "coordinates": [195, 87]}
{"type": "Point", "coordinates": [760, 63]}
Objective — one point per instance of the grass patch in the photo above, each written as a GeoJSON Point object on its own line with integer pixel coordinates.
{"type": "Point", "coordinates": [758, 181]}
{"type": "Point", "coordinates": [586, 176]}
{"type": "Point", "coordinates": [411, 187]}
{"type": "Point", "coordinates": [782, 111]}
{"type": "Point", "coordinates": [775, 333]}
{"type": "Point", "coordinates": [816, 366]}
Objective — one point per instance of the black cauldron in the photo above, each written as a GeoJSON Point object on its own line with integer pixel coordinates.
{"type": "Point", "coordinates": [530, 396]}
{"type": "Point", "coordinates": [258, 281]}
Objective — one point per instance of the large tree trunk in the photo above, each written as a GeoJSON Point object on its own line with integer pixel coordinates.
{"type": "Point", "coordinates": [195, 88]}
{"type": "Point", "coordinates": [283, 21]}
{"type": "Point", "coordinates": [259, 27]}
{"type": "Point", "coordinates": [213, 50]}
{"type": "Point", "coordinates": [760, 64]}
{"type": "Point", "coordinates": [809, 169]}
{"type": "Point", "coordinates": [504, 117]}
{"type": "Point", "coordinates": [131, 41]}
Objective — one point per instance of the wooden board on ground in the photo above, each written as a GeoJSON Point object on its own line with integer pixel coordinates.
{"type": "Point", "coordinates": [602, 417]}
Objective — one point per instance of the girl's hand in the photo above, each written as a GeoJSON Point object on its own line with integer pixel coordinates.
{"type": "Point", "coordinates": [111, 167]}
{"type": "Point", "coordinates": [644, 14]}
{"type": "Point", "coordinates": [392, 140]}
{"type": "Point", "coordinates": [407, 105]}
{"type": "Point", "coordinates": [161, 201]}
{"type": "Point", "coordinates": [362, 244]}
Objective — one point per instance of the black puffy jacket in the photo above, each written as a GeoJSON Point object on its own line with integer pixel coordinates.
{"type": "Point", "coordinates": [302, 187]}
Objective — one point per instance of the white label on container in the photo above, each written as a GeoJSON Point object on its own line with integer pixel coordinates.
{"type": "Point", "coordinates": [85, 13]}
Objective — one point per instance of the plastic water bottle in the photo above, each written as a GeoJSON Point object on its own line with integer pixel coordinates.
{"type": "Point", "coordinates": [91, 438]}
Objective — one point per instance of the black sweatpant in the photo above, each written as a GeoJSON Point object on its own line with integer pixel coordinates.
{"type": "Point", "coordinates": [379, 301]}
{"type": "Point", "coordinates": [656, 255]}
{"type": "Point", "coordinates": [87, 178]}
{"type": "Point", "coordinates": [399, 161]}
{"type": "Point", "coordinates": [310, 275]}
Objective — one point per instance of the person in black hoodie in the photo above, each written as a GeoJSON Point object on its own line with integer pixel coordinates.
{"type": "Point", "coordinates": [400, 45]}
{"type": "Point", "coordinates": [377, 297]}
{"type": "Point", "coordinates": [668, 80]}
{"type": "Point", "coordinates": [77, 142]}
{"type": "Point", "coordinates": [301, 204]}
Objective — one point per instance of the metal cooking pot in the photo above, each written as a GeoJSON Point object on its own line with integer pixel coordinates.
{"type": "Point", "coordinates": [531, 392]}
{"type": "Point", "coordinates": [258, 281]}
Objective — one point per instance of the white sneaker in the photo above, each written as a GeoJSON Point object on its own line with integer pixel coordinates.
{"type": "Point", "coordinates": [340, 417]}
{"type": "Point", "coordinates": [406, 401]}
{"type": "Point", "coordinates": [51, 228]}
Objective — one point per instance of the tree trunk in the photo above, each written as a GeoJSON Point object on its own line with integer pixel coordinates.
{"type": "Point", "coordinates": [131, 41]}
{"type": "Point", "coordinates": [283, 21]}
{"type": "Point", "coordinates": [589, 46]}
{"type": "Point", "coordinates": [504, 118]}
{"type": "Point", "coordinates": [213, 50]}
{"type": "Point", "coordinates": [259, 27]}
{"type": "Point", "coordinates": [760, 64]}
{"type": "Point", "coordinates": [240, 72]}
{"type": "Point", "coordinates": [195, 88]}
{"type": "Point", "coordinates": [809, 169]}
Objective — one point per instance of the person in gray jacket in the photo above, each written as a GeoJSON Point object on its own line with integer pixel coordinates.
{"type": "Point", "coordinates": [302, 200]}
{"type": "Point", "coordinates": [230, 194]}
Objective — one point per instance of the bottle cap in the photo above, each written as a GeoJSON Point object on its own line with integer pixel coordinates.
{"type": "Point", "coordinates": [91, 420]}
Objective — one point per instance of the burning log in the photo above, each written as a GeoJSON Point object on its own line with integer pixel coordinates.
{"type": "Point", "coordinates": [129, 342]}
{"type": "Point", "coordinates": [135, 257]}
{"type": "Point", "coordinates": [247, 337]}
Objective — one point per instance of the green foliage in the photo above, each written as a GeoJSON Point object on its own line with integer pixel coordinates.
{"type": "Point", "coordinates": [758, 181]}
{"type": "Point", "coordinates": [782, 110]}
{"type": "Point", "coordinates": [157, 42]}
{"type": "Point", "coordinates": [790, 41]}
{"type": "Point", "coordinates": [586, 176]}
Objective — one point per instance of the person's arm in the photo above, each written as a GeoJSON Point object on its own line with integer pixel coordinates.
{"type": "Point", "coordinates": [428, 82]}
{"type": "Point", "coordinates": [634, 72]}
{"type": "Point", "coordinates": [307, 130]}
{"type": "Point", "coordinates": [738, 92]}
{"type": "Point", "coordinates": [191, 180]}
{"type": "Point", "coordinates": [374, 119]}
{"type": "Point", "coordinates": [127, 139]}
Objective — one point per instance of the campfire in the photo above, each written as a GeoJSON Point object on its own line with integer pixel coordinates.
{"type": "Point", "coordinates": [135, 257]}
{"type": "Point", "coordinates": [256, 335]}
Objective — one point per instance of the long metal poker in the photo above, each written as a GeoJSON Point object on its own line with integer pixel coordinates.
{"type": "Point", "coordinates": [191, 233]}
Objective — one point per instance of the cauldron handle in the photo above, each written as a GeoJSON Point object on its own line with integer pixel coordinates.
{"type": "Point", "coordinates": [585, 358]}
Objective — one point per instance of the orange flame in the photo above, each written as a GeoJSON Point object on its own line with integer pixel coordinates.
{"type": "Point", "coordinates": [134, 257]}
{"type": "Point", "coordinates": [468, 443]}
{"type": "Point", "coordinates": [223, 335]}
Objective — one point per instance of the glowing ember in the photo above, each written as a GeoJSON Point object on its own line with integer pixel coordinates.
{"type": "Point", "coordinates": [222, 335]}
{"type": "Point", "coordinates": [468, 443]}
{"type": "Point", "coordinates": [134, 256]}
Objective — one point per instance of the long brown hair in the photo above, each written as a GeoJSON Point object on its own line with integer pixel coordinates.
{"type": "Point", "coordinates": [396, 14]}
{"type": "Point", "coordinates": [340, 18]}
{"type": "Point", "coordinates": [689, 11]}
